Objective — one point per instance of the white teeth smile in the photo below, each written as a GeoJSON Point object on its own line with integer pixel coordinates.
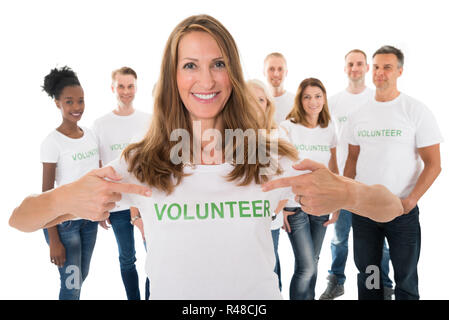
{"type": "Point", "coordinates": [205, 96]}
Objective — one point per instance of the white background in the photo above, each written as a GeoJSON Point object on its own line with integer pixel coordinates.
{"type": "Point", "coordinates": [95, 37]}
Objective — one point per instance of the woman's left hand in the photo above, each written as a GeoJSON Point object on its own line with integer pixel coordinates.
{"type": "Point", "coordinates": [333, 219]}
{"type": "Point", "coordinates": [139, 224]}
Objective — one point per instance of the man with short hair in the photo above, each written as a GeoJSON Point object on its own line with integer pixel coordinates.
{"type": "Point", "coordinates": [275, 71]}
{"type": "Point", "coordinates": [115, 131]}
{"type": "Point", "coordinates": [341, 106]}
{"type": "Point", "coordinates": [394, 141]}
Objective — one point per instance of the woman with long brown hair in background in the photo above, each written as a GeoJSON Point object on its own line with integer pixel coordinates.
{"type": "Point", "coordinates": [310, 130]}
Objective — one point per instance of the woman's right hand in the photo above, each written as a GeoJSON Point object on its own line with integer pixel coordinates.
{"type": "Point", "coordinates": [134, 213]}
{"type": "Point", "coordinates": [57, 253]}
{"type": "Point", "coordinates": [92, 197]}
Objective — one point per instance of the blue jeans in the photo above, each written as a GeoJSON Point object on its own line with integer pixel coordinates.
{"type": "Point", "coordinates": [339, 250]}
{"type": "Point", "coordinates": [404, 238]}
{"type": "Point", "coordinates": [147, 281]}
{"type": "Point", "coordinates": [277, 267]}
{"type": "Point", "coordinates": [306, 237]}
{"type": "Point", "coordinates": [78, 238]}
{"type": "Point", "coordinates": [124, 235]}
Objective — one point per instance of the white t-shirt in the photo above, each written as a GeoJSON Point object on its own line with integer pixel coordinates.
{"type": "Point", "coordinates": [389, 135]}
{"type": "Point", "coordinates": [341, 106]}
{"type": "Point", "coordinates": [73, 157]}
{"type": "Point", "coordinates": [278, 219]}
{"type": "Point", "coordinates": [284, 105]}
{"type": "Point", "coordinates": [209, 239]}
{"type": "Point", "coordinates": [115, 133]}
{"type": "Point", "coordinates": [312, 143]}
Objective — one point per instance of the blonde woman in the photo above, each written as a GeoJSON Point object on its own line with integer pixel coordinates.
{"type": "Point", "coordinates": [309, 128]}
{"type": "Point", "coordinates": [265, 108]}
{"type": "Point", "coordinates": [265, 103]}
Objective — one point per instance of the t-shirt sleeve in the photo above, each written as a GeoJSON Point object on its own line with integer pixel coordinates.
{"type": "Point", "coordinates": [289, 171]}
{"type": "Point", "coordinates": [347, 133]}
{"type": "Point", "coordinates": [284, 130]}
{"type": "Point", "coordinates": [138, 137]}
{"type": "Point", "coordinates": [121, 167]}
{"type": "Point", "coordinates": [427, 131]}
{"type": "Point", "coordinates": [282, 134]}
{"type": "Point", "coordinates": [334, 139]}
{"type": "Point", "coordinates": [142, 127]}
{"type": "Point", "coordinates": [332, 103]}
{"type": "Point", "coordinates": [49, 151]}
{"type": "Point", "coordinates": [96, 134]}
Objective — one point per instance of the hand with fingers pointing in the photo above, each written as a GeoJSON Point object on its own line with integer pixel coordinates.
{"type": "Point", "coordinates": [320, 192]}
{"type": "Point", "coordinates": [90, 197]}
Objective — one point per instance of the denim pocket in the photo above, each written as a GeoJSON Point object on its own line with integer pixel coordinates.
{"type": "Point", "coordinates": [406, 218]}
{"type": "Point", "coordinates": [300, 218]}
{"type": "Point", "coordinates": [414, 211]}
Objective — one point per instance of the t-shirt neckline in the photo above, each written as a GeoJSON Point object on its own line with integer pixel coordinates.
{"type": "Point", "coordinates": [207, 167]}
{"type": "Point", "coordinates": [72, 139]}
{"type": "Point", "coordinates": [386, 103]}
{"type": "Point", "coordinates": [365, 91]}
{"type": "Point", "coordinates": [129, 116]}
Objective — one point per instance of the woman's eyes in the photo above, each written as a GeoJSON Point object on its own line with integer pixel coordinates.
{"type": "Point", "coordinates": [70, 102]}
{"type": "Point", "coordinates": [189, 65]}
{"type": "Point", "coordinates": [220, 64]}
{"type": "Point", "coordinates": [217, 64]}
{"type": "Point", "coordinates": [316, 97]}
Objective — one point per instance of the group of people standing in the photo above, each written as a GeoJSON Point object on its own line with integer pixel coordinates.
{"type": "Point", "coordinates": [205, 225]}
{"type": "Point", "coordinates": [69, 152]}
{"type": "Point", "coordinates": [375, 136]}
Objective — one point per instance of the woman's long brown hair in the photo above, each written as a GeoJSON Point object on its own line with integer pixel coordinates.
{"type": "Point", "coordinates": [298, 113]}
{"type": "Point", "coordinates": [149, 159]}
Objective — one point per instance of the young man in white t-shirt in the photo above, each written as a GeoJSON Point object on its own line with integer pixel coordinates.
{"type": "Point", "coordinates": [341, 106]}
{"type": "Point", "coordinates": [115, 131]}
{"type": "Point", "coordinates": [275, 70]}
{"type": "Point", "coordinates": [390, 138]}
